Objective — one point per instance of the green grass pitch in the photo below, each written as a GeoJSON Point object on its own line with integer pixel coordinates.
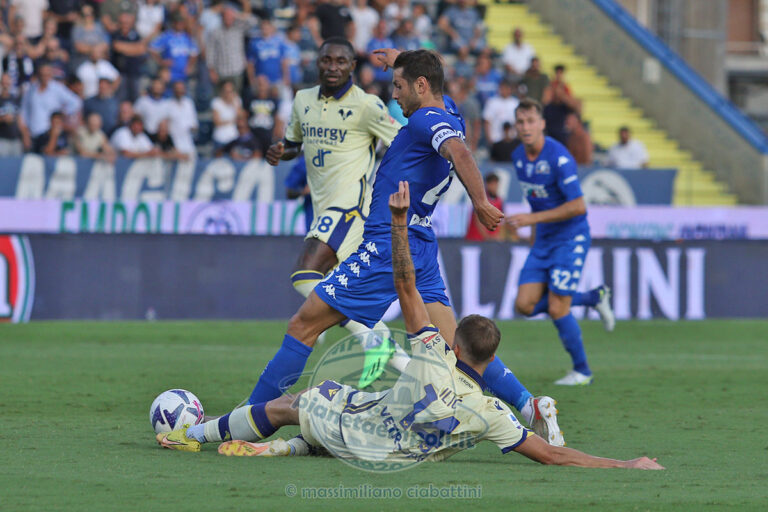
{"type": "Point", "coordinates": [75, 434]}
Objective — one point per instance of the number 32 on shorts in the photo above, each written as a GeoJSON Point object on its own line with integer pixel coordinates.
{"type": "Point", "coordinates": [322, 224]}
{"type": "Point", "coordinates": [561, 279]}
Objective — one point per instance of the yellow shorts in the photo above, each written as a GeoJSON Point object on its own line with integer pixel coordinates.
{"type": "Point", "coordinates": [341, 229]}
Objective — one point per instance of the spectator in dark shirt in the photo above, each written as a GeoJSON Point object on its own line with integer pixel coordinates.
{"type": "Point", "coordinates": [501, 151]}
{"type": "Point", "coordinates": [105, 104]}
{"type": "Point", "coordinates": [405, 37]}
{"type": "Point", "coordinates": [128, 55]}
{"type": "Point", "coordinates": [66, 13]}
{"type": "Point", "coordinates": [534, 81]}
{"type": "Point", "coordinates": [263, 112]}
{"type": "Point", "coordinates": [54, 142]}
{"type": "Point", "coordinates": [164, 142]}
{"type": "Point", "coordinates": [246, 145]}
{"type": "Point", "coordinates": [335, 19]}
{"type": "Point", "coordinates": [10, 135]}
{"type": "Point", "coordinates": [18, 64]}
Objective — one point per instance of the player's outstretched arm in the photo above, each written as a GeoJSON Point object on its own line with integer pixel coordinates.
{"type": "Point", "coordinates": [411, 303]}
{"type": "Point", "coordinates": [535, 448]}
{"type": "Point", "coordinates": [565, 211]}
{"type": "Point", "coordinates": [455, 151]}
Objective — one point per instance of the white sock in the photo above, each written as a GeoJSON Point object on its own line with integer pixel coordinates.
{"type": "Point", "coordinates": [400, 358]}
{"type": "Point", "coordinates": [299, 446]}
{"type": "Point", "coordinates": [528, 411]}
{"type": "Point", "coordinates": [304, 281]}
{"type": "Point", "coordinates": [197, 432]}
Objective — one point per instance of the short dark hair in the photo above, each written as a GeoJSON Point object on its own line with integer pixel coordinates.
{"type": "Point", "coordinates": [492, 176]}
{"type": "Point", "coordinates": [478, 338]}
{"type": "Point", "coordinates": [560, 67]}
{"type": "Point", "coordinates": [426, 63]}
{"type": "Point", "coordinates": [624, 128]}
{"type": "Point", "coordinates": [338, 41]}
{"type": "Point", "coordinates": [530, 104]}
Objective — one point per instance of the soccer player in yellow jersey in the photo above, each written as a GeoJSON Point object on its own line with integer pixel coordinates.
{"type": "Point", "coordinates": [435, 409]}
{"type": "Point", "coordinates": [338, 126]}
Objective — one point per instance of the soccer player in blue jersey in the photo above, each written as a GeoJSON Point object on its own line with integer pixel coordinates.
{"type": "Point", "coordinates": [426, 153]}
{"type": "Point", "coordinates": [549, 279]}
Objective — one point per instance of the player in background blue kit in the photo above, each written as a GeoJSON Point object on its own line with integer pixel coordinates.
{"type": "Point", "coordinates": [548, 281]}
{"type": "Point", "coordinates": [426, 153]}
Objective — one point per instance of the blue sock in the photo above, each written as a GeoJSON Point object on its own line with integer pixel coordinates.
{"type": "Point", "coordinates": [263, 425]}
{"type": "Point", "coordinates": [505, 385]}
{"type": "Point", "coordinates": [570, 334]}
{"type": "Point", "coordinates": [590, 298]}
{"type": "Point", "coordinates": [282, 371]}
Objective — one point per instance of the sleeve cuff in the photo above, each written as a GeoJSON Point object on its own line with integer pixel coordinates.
{"type": "Point", "coordinates": [512, 447]}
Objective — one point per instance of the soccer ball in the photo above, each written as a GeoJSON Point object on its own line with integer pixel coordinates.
{"type": "Point", "coordinates": [174, 408]}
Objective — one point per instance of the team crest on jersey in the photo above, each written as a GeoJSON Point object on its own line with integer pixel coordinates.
{"type": "Point", "coordinates": [542, 167]}
{"type": "Point", "coordinates": [306, 109]}
{"type": "Point", "coordinates": [17, 279]}
{"type": "Point", "coordinates": [344, 114]}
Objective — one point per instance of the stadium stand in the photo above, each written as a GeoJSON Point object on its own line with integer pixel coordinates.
{"type": "Point", "coordinates": [605, 107]}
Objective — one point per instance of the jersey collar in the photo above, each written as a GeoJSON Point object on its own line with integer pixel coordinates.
{"type": "Point", "coordinates": [341, 92]}
{"type": "Point", "coordinates": [471, 373]}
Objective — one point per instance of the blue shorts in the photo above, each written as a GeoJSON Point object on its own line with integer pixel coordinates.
{"type": "Point", "coordinates": [559, 264]}
{"type": "Point", "coordinates": [362, 287]}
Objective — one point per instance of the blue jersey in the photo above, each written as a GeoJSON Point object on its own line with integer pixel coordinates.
{"type": "Point", "coordinates": [414, 157]}
{"type": "Point", "coordinates": [297, 180]}
{"type": "Point", "coordinates": [548, 182]}
{"type": "Point", "coordinates": [179, 48]}
{"type": "Point", "coordinates": [267, 55]}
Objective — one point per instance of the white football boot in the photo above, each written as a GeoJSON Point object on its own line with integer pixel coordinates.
{"type": "Point", "coordinates": [574, 378]}
{"type": "Point", "coordinates": [604, 309]}
{"type": "Point", "coordinates": [544, 422]}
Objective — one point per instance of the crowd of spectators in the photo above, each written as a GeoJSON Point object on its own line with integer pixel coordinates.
{"type": "Point", "coordinates": [177, 78]}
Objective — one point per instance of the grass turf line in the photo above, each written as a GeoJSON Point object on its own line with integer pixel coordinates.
{"type": "Point", "coordinates": [75, 433]}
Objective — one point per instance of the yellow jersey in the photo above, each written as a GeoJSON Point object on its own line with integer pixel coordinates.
{"type": "Point", "coordinates": [435, 409]}
{"type": "Point", "coordinates": [339, 134]}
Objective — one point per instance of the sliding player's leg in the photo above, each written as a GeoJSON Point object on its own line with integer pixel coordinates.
{"type": "Point", "coordinates": [285, 368]}
{"type": "Point", "coordinates": [248, 423]}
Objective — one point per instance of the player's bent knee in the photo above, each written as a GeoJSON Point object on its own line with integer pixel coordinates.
{"type": "Point", "coordinates": [525, 308]}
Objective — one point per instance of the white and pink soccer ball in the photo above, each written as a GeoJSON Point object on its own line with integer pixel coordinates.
{"type": "Point", "coordinates": [174, 408]}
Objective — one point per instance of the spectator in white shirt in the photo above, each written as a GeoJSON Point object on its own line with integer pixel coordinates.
{"type": "Point", "coordinates": [498, 110]}
{"type": "Point", "coordinates": [149, 19]}
{"type": "Point", "coordinates": [180, 110]}
{"type": "Point", "coordinates": [94, 69]}
{"type": "Point", "coordinates": [31, 11]}
{"type": "Point", "coordinates": [422, 23]}
{"type": "Point", "coordinates": [365, 18]}
{"type": "Point", "coordinates": [517, 55]}
{"type": "Point", "coordinates": [628, 153]}
{"type": "Point", "coordinates": [225, 108]}
{"type": "Point", "coordinates": [131, 141]}
{"type": "Point", "coordinates": [151, 106]}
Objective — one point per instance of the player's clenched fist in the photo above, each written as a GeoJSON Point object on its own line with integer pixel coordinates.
{"type": "Point", "coordinates": [275, 152]}
{"type": "Point", "coordinates": [489, 215]}
{"type": "Point", "coordinates": [400, 201]}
